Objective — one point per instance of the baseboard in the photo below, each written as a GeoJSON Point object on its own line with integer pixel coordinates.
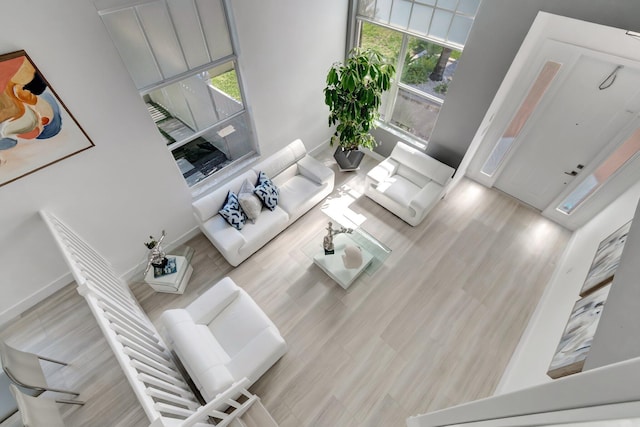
{"type": "Point", "coordinates": [16, 311]}
{"type": "Point", "coordinates": [135, 273]}
{"type": "Point", "coordinates": [319, 148]}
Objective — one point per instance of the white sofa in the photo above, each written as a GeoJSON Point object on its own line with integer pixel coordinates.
{"type": "Point", "coordinates": [408, 183]}
{"type": "Point", "coordinates": [302, 181]}
{"type": "Point", "coordinates": [222, 337]}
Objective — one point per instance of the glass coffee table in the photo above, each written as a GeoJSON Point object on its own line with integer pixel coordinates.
{"type": "Point", "coordinates": [372, 250]}
{"type": "Point", "coordinates": [333, 264]}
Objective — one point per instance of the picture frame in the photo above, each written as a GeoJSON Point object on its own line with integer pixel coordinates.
{"type": "Point", "coordinates": [36, 128]}
{"type": "Point", "coordinates": [577, 336]}
{"type": "Point", "coordinates": [606, 260]}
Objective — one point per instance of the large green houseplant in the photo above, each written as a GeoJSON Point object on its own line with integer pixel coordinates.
{"type": "Point", "coordinates": [353, 93]}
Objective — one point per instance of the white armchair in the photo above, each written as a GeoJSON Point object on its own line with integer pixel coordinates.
{"type": "Point", "coordinates": [222, 337]}
{"type": "Point", "coordinates": [408, 183]}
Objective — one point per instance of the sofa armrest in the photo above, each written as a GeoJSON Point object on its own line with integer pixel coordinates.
{"type": "Point", "coordinates": [210, 304]}
{"type": "Point", "coordinates": [172, 322]}
{"type": "Point", "coordinates": [201, 360]}
{"type": "Point", "coordinates": [315, 171]}
{"type": "Point", "coordinates": [426, 197]}
{"type": "Point", "coordinates": [383, 170]}
{"type": "Point", "coordinates": [226, 239]}
{"type": "Point", "coordinates": [214, 380]}
{"type": "Point", "coordinates": [208, 206]}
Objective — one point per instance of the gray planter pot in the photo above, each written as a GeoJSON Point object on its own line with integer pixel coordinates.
{"type": "Point", "coordinates": [348, 160]}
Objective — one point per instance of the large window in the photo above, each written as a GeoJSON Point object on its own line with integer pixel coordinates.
{"type": "Point", "coordinates": [180, 56]}
{"type": "Point", "coordinates": [425, 38]}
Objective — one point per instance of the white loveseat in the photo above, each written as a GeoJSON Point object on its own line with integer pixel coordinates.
{"type": "Point", "coordinates": [222, 337]}
{"type": "Point", "coordinates": [302, 181]}
{"type": "Point", "coordinates": [408, 183]}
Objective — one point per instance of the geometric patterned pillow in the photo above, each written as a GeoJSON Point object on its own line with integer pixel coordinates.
{"type": "Point", "coordinates": [232, 212]}
{"type": "Point", "coordinates": [267, 191]}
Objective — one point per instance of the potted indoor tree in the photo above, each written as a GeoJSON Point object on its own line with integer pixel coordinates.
{"type": "Point", "coordinates": [353, 94]}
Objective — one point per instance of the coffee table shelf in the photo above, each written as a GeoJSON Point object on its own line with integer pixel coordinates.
{"type": "Point", "coordinates": [333, 264]}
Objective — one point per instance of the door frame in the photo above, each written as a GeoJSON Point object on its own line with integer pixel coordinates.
{"type": "Point", "coordinates": [596, 40]}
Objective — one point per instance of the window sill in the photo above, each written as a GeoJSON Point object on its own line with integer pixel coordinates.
{"type": "Point", "coordinates": [404, 136]}
{"type": "Point", "coordinates": [207, 184]}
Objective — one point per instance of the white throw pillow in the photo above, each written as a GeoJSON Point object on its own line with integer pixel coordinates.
{"type": "Point", "coordinates": [249, 202]}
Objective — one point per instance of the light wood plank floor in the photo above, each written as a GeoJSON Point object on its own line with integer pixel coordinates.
{"type": "Point", "coordinates": [433, 327]}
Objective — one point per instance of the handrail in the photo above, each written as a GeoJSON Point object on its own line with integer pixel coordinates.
{"type": "Point", "coordinates": [145, 359]}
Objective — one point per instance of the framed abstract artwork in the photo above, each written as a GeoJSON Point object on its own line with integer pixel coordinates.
{"type": "Point", "coordinates": [606, 261]}
{"type": "Point", "coordinates": [36, 129]}
{"type": "Point", "coordinates": [578, 335]}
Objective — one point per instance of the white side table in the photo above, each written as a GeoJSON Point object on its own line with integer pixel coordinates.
{"type": "Point", "coordinates": [173, 283]}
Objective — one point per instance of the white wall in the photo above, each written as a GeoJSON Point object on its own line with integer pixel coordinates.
{"type": "Point", "coordinates": [537, 346]}
{"type": "Point", "coordinates": [499, 29]}
{"type": "Point", "coordinates": [128, 185]}
{"type": "Point", "coordinates": [617, 383]}
{"type": "Point", "coordinates": [286, 49]}
{"type": "Point", "coordinates": [114, 194]}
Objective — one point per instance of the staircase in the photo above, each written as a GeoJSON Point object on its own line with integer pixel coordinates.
{"type": "Point", "coordinates": [256, 416]}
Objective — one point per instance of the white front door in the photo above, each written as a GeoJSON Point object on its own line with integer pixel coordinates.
{"type": "Point", "coordinates": [572, 124]}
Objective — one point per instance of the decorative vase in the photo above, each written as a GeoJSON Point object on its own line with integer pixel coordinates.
{"type": "Point", "coordinates": [348, 160]}
{"type": "Point", "coordinates": [352, 257]}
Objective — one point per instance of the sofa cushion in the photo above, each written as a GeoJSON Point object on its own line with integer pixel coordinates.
{"type": "Point", "coordinates": [285, 175]}
{"type": "Point", "coordinates": [209, 204]}
{"type": "Point", "coordinates": [232, 212]}
{"type": "Point", "coordinates": [282, 159]}
{"type": "Point", "coordinates": [248, 322]}
{"type": "Point", "coordinates": [199, 351]}
{"type": "Point", "coordinates": [226, 239]}
{"type": "Point", "coordinates": [215, 352]}
{"type": "Point", "coordinates": [269, 224]}
{"type": "Point", "coordinates": [267, 191]}
{"type": "Point", "coordinates": [258, 355]}
{"type": "Point", "coordinates": [295, 192]}
{"type": "Point", "coordinates": [249, 202]}
{"type": "Point", "coordinates": [413, 175]}
{"type": "Point", "coordinates": [398, 189]}
{"type": "Point", "coordinates": [419, 161]}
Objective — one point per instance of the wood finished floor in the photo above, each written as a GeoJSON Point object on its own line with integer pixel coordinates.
{"type": "Point", "coordinates": [433, 327]}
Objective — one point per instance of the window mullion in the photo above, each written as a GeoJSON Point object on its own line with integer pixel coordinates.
{"type": "Point", "coordinates": [425, 37]}
{"type": "Point", "coordinates": [175, 31]}
{"type": "Point", "coordinates": [455, 12]}
{"type": "Point", "coordinates": [185, 141]}
{"type": "Point", "coordinates": [202, 34]}
{"type": "Point", "coordinates": [420, 93]}
{"type": "Point", "coordinates": [136, 14]}
{"type": "Point", "coordinates": [393, 93]}
{"type": "Point", "coordinates": [205, 67]}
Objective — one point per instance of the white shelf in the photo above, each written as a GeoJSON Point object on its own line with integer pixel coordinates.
{"type": "Point", "coordinates": [174, 283]}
